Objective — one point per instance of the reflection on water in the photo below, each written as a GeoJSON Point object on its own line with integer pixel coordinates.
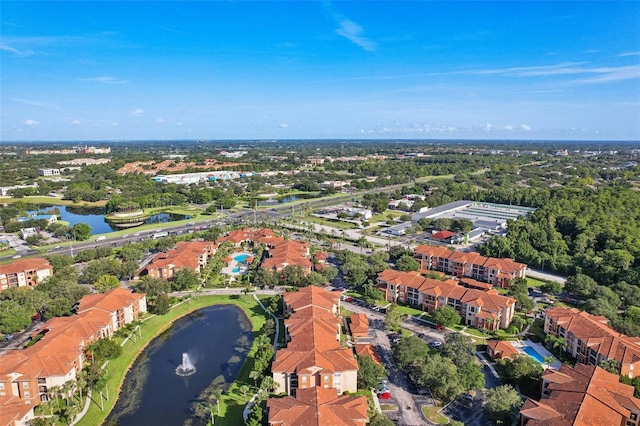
{"type": "Point", "coordinates": [217, 340]}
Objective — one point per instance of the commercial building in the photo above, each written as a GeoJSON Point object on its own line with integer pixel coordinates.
{"type": "Point", "coordinates": [590, 339]}
{"type": "Point", "coordinates": [585, 395]}
{"type": "Point", "coordinates": [478, 308]}
{"type": "Point", "coordinates": [186, 254]}
{"type": "Point", "coordinates": [24, 273]}
{"type": "Point", "coordinates": [49, 172]}
{"type": "Point", "coordinates": [488, 216]}
{"type": "Point", "coordinates": [472, 265]}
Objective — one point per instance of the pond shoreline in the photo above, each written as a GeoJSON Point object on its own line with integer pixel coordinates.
{"type": "Point", "coordinates": [94, 415]}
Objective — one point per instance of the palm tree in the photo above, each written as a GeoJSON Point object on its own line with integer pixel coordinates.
{"type": "Point", "coordinates": [244, 389]}
{"type": "Point", "coordinates": [255, 375]}
{"type": "Point", "coordinates": [216, 396]}
{"type": "Point", "coordinates": [267, 384]}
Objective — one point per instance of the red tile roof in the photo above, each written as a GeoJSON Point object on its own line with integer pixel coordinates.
{"type": "Point", "coordinates": [185, 254]}
{"type": "Point", "coordinates": [501, 349]}
{"type": "Point", "coordinates": [443, 235]}
{"type": "Point", "coordinates": [310, 296]}
{"type": "Point", "coordinates": [585, 395]}
{"type": "Point", "coordinates": [505, 265]}
{"type": "Point", "coordinates": [359, 325]}
{"type": "Point", "coordinates": [317, 406]}
{"type": "Point", "coordinates": [25, 265]}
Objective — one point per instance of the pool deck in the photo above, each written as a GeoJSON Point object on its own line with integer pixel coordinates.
{"type": "Point", "coordinates": [518, 344]}
{"type": "Point", "coordinates": [233, 263]}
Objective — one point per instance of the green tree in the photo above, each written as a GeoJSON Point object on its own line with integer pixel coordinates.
{"type": "Point", "coordinates": [265, 277]}
{"type": "Point", "coordinates": [407, 263]}
{"type": "Point", "coordinates": [410, 352]}
{"type": "Point", "coordinates": [380, 420]}
{"type": "Point", "coordinates": [447, 316]}
{"type": "Point", "coordinates": [131, 252]}
{"type": "Point", "coordinates": [59, 261]}
{"type": "Point", "coordinates": [13, 316]}
{"type": "Point", "coordinates": [162, 304]}
{"type": "Point", "coordinates": [104, 349]}
{"type": "Point", "coordinates": [80, 231]}
{"type": "Point", "coordinates": [551, 287]}
{"type": "Point", "coordinates": [184, 279]}
{"type": "Point", "coordinates": [128, 269]}
{"type": "Point", "coordinates": [369, 372]}
{"type": "Point", "coordinates": [521, 369]}
{"type": "Point", "coordinates": [393, 317]}
{"type": "Point", "coordinates": [502, 405]}
{"type": "Point", "coordinates": [106, 282]}
{"type": "Point", "coordinates": [329, 272]}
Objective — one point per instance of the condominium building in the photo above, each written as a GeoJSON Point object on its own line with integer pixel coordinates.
{"type": "Point", "coordinates": [24, 273]}
{"type": "Point", "coordinates": [192, 255]}
{"type": "Point", "coordinates": [287, 253]}
{"type": "Point", "coordinates": [478, 308]}
{"type": "Point", "coordinates": [469, 264]}
{"type": "Point", "coordinates": [27, 375]}
{"type": "Point", "coordinates": [590, 339]}
{"type": "Point", "coordinates": [585, 395]}
{"type": "Point", "coordinates": [49, 172]}
{"type": "Point", "coordinates": [314, 356]}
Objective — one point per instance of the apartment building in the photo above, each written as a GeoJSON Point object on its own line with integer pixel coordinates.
{"type": "Point", "coordinates": [590, 339]}
{"type": "Point", "coordinates": [314, 356]}
{"type": "Point", "coordinates": [49, 172]}
{"type": "Point", "coordinates": [27, 375]}
{"type": "Point", "coordinates": [318, 406]}
{"type": "Point", "coordinates": [359, 327]}
{"type": "Point", "coordinates": [287, 253]}
{"type": "Point", "coordinates": [478, 308]}
{"type": "Point", "coordinates": [24, 273]}
{"type": "Point", "coordinates": [186, 254]}
{"type": "Point", "coordinates": [585, 395]}
{"type": "Point", "coordinates": [238, 237]}
{"type": "Point", "coordinates": [470, 265]}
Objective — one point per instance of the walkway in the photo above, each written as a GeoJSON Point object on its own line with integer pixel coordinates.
{"type": "Point", "coordinates": [87, 404]}
{"type": "Point", "coordinates": [247, 408]}
{"type": "Point", "coordinates": [545, 276]}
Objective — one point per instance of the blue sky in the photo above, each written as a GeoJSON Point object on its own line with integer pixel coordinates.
{"type": "Point", "coordinates": [318, 69]}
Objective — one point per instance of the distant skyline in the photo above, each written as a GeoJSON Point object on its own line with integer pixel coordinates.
{"type": "Point", "coordinates": [123, 70]}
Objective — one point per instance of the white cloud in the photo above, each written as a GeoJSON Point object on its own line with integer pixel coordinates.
{"type": "Point", "coordinates": [36, 103]}
{"type": "Point", "coordinates": [31, 122]}
{"type": "Point", "coordinates": [353, 32]}
{"type": "Point", "coordinates": [604, 74]}
{"type": "Point", "coordinates": [179, 123]}
{"type": "Point", "coordinates": [137, 112]}
{"type": "Point", "coordinates": [17, 52]}
{"type": "Point", "coordinates": [629, 54]}
{"type": "Point", "coordinates": [508, 127]}
{"type": "Point", "coordinates": [160, 120]}
{"type": "Point", "coordinates": [525, 127]}
{"type": "Point", "coordinates": [283, 125]}
{"type": "Point", "coordinates": [487, 127]}
{"type": "Point", "coordinates": [75, 123]}
{"type": "Point", "coordinates": [114, 124]}
{"type": "Point", "coordinates": [106, 79]}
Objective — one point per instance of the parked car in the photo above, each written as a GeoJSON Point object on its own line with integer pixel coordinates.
{"type": "Point", "coordinates": [8, 336]}
{"type": "Point", "coordinates": [384, 395]}
{"type": "Point", "coordinates": [435, 344]}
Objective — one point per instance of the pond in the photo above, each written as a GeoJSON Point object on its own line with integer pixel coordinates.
{"type": "Point", "coordinates": [216, 340]}
{"type": "Point", "coordinates": [94, 217]}
{"type": "Point", "coordinates": [286, 199]}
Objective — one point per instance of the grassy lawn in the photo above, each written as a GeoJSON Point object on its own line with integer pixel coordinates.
{"type": "Point", "coordinates": [388, 407]}
{"type": "Point", "coordinates": [534, 282]}
{"type": "Point", "coordinates": [332, 223]}
{"type": "Point", "coordinates": [37, 199]}
{"type": "Point", "coordinates": [232, 403]}
{"type": "Point", "coordinates": [409, 310]}
{"type": "Point", "coordinates": [431, 413]}
{"type": "Point", "coordinates": [536, 331]}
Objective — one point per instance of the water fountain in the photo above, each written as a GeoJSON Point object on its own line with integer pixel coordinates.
{"type": "Point", "coordinates": [186, 368]}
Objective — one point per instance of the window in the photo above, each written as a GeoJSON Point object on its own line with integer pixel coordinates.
{"type": "Point", "coordinates": [337, 374]}
{"type": "Point", "coordinates": [304, 379]}
{"type": "Point", "coordinates": [26, 395]}
{"type": "Point", "coordinates": [634, 416]}
{"type": "Point", "coordinates": [1, 385]}
{"type": "Point", "coordinates": [326, 379]}
{"type": "Point", "coordinates": [25, 385]}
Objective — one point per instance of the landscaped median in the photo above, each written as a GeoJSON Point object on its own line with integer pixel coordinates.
{"type": "Point", "coordinates": [232, 403]}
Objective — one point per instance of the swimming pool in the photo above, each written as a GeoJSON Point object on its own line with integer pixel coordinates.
{"type": "Point", "coordinates": [241, 258]}
{"type": "Point", "coordinates": [235, 270]}
{"type": "Point", "coordinates": [533, 354]}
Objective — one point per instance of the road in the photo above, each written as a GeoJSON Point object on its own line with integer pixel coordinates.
{"type": "Point", "coordinates": [545, 276]}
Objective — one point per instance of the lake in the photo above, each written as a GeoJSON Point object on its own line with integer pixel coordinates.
{"type": "Point", "coordinates": [286, 199]}
{"type": "Point", "coordinates": [217, 339]}
{"type": "Point", "coordinates": [94, 217]}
